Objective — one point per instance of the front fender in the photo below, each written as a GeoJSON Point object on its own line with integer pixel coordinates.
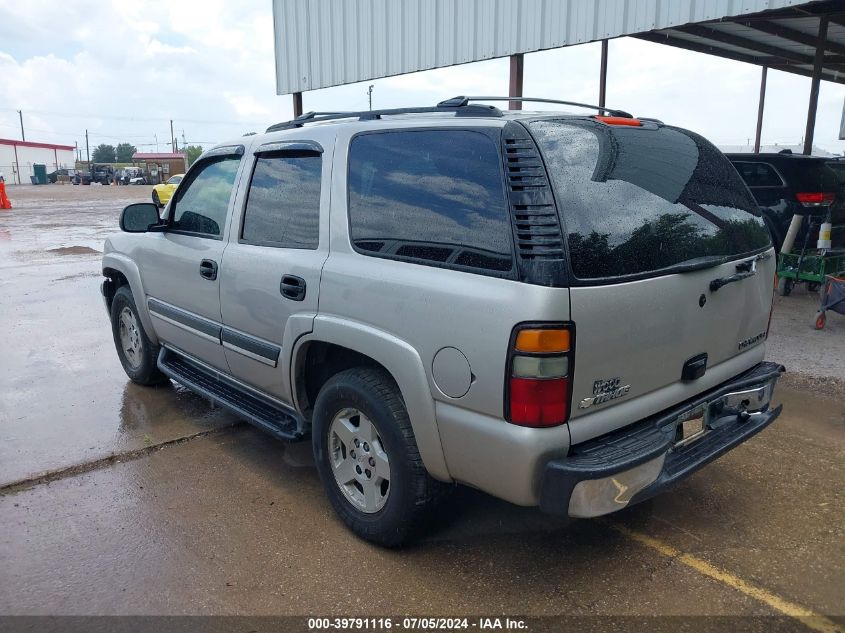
{"type": "Point", "coordinates": [402, 361]}
{"type": "Point", "coordinates": [125, 265]}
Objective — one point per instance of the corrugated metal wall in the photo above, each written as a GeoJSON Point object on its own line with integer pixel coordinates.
{"type": "Point", "coordinates": [322, 43]}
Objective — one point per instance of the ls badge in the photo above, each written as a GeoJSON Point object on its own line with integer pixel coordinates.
{"type": "Point", "coordinates": [605, 390]}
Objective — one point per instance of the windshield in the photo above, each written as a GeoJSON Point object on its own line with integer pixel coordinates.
{"type": "Point", "coordinates": [637, 201]}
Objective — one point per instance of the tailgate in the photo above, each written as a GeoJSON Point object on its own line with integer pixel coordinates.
{"type": "Point", "coordinates": [654, 216]}
{"type": "Point", "coordinates": [634, 338]}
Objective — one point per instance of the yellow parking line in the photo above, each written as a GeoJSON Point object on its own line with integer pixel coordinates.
{"type": "Point", "coordinates": [810, 618]}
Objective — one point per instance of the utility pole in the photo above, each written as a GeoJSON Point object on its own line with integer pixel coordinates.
{"type": "Point", "coordinates": [370, 96]}
{"type": "Point", "coordinates": [155, 136]}
{"type": "Point", "coordinates": [87, 153]}
{"type": "Point", "coordinates": [23, 136]}
{"type": "Point", "coordinates": [184, 142]}
{"type": "Point", "coordinates": [172, 138]}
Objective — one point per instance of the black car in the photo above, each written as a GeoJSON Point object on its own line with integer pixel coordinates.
{"type": "Point", "coordinates": [102, 174]}
{"type": "Point", "coordinates": [785, 184]}
{"type": "Point", "coordinates": [53, 176]}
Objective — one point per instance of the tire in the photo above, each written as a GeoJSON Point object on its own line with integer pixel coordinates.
{"type": "Point", "coordinates": [137, 353]}
{"type": "Point", "coordinates": [157, 200]}
{"type": "Point", "coordinates": [784, 286]}
{"type": "Point", "coordinates": [370, 395]}
{"type": "Point", "coordinates": [813, 286]}
{"type": "Point", "coordinates": [819, 320]}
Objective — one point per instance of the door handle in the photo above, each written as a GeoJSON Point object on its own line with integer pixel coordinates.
{"type": "Point", "coordinates": [208, 269]}
{"type": "Point", "coordinates": [292, 287]}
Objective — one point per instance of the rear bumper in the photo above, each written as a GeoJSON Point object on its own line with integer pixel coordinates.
{"type": "Point", "coordinates": [630, 465]}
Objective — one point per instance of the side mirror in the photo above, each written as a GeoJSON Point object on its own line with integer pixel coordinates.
{"type": "Point", "coordinates": [139, 217]}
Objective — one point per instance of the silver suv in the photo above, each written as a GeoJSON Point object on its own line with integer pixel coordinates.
{"type": "Point", "coordinates": [565, 311]}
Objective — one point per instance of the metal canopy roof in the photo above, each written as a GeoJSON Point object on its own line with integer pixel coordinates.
{"type": "Point", "coordinates": [323, 43]}
{"type": "Point", "coordinates": [782, 39]}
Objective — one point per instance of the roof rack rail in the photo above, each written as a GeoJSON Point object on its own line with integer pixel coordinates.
{"type": "Point", "coordinates": [463, 109]}
{"type": "Point", "coordinates": [457, 102]}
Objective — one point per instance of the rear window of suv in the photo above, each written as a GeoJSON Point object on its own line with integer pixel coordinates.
{"type": "Point", "coordinates": [431, 197]}
{"type": "Point", "coordinates": [642, 201]}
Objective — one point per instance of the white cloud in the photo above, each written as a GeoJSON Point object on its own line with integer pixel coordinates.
{"type": "Point", "coordinates": [123, 70]}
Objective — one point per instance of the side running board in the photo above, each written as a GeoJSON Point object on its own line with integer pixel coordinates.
{"type": "Point", "coordinates": [217, 387]}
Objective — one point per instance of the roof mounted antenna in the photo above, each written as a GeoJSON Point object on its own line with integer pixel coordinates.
{"type": "Point", "coordinates": [458, 102]}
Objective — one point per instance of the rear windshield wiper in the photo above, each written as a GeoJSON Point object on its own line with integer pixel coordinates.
{"type": "Point", "coordinates": [744, 270]}
{"type": "Point", "coordinates": [698, 263]}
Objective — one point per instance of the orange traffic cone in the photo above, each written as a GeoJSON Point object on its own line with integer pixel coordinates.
{"type": "Point", "coordinates": [5, 203]}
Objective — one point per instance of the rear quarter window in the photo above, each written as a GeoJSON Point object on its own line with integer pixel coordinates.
{"type": "Point", "coordinates": [638, 201]}
{"type": "Point", "coordinates": [432, 197]}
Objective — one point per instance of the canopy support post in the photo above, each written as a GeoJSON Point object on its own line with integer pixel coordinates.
{"type": "Point", "coordinates": [818, 64]}
{"type": "Point", "coordinates": [515, 88]}
{"type": "Point", "coordinates": [760, 106]}
{"type": "Point", "coordinates": [603, 73]}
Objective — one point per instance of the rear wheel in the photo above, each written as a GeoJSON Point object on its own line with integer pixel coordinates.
{"type": "Point", "coordinates": [784, 286]}
{"type": "Point", "coordinates": [368, 459]}
{"type": "Point", "coordinates": [137, 353]}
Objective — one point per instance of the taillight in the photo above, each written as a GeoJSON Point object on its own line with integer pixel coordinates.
{"type": "Point", "coordinates": [540, 366]}
{"type": "Point", "coordinates": [815, 199]}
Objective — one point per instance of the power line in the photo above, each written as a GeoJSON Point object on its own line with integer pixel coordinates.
{"type": "Point", "coordinates": [88, 115]}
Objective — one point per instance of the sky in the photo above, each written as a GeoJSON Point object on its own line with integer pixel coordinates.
{"type": "Point", "coordinates": [123, 70]}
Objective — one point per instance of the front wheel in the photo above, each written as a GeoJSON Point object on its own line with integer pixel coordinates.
{"type": "Point", "coordinates": [137, 353]}
{"type": "Point", "coordinates": [368, 459]}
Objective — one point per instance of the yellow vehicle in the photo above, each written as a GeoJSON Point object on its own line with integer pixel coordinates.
{"type": "Point", "coordinates": [163, 192]}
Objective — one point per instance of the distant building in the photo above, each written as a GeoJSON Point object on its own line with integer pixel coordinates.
{"type": "Point", "coordinates": [774, 149]}
{"type": "Point", "coordinates": [159, 166]}
{"type": "Point", "coordinates": [18, 157]}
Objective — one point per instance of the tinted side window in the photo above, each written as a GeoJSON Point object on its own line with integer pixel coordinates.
{"type": "Point", "coordinates": [758, 175]}
{"type": "Point", "coordinates": [434, 197]}
{"type": "Point", "coordinates": [283, 204]}
{"type": "Point", "coordinates": [202, 202]}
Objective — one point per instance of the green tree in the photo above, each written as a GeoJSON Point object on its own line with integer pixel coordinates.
{"type": "Point", "coordinates": [192, 152]}
{"type": "Point", "coordinates": [103, 154]}
{"type": "Point", "coordinates": [124, 152]}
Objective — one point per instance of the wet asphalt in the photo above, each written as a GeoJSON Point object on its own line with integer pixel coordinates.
{"type": "Point", "coordinates": [118, 499]}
